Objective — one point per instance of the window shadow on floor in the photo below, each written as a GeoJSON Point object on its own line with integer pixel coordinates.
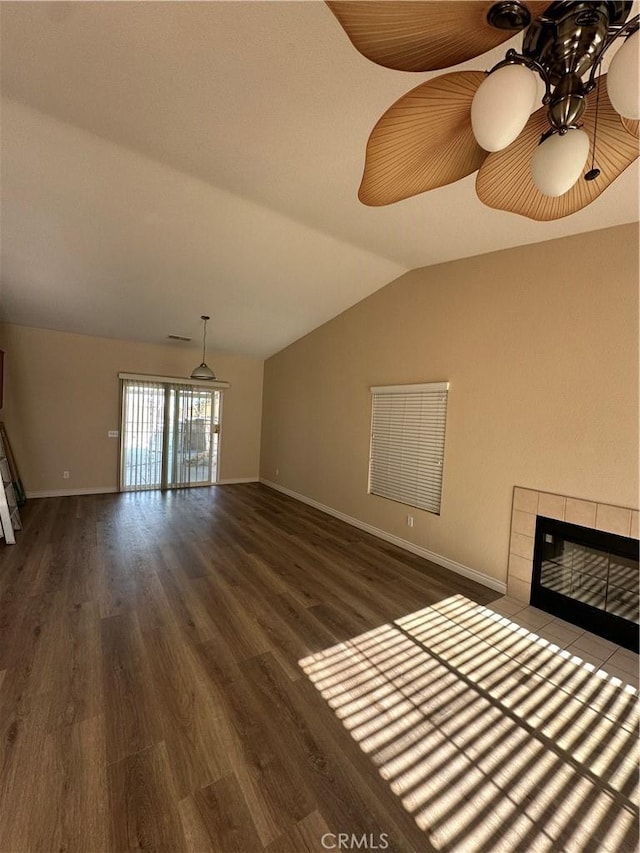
{"type": "Point", "coordinates": [492, 737]}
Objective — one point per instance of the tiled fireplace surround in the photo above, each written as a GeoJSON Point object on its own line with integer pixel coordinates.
{"type": "Point", "coordinates": [527, 503]}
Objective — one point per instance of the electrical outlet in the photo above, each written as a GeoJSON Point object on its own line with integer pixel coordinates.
{"type": "Point", "coordinates": [113, 433]}
{"type": "Point", "coordinates": [409, 521]}
{"type": "Point", "coordinates": [65, 475]}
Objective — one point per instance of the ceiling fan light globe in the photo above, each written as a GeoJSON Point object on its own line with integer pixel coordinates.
{"type": "Point", "coordinates": [623, 86]}
{"type": "Point", "coordinates": [559, 161]}
{"type": "Point", "coordinates": [502, 105]}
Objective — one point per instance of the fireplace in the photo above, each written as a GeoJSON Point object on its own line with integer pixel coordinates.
{"type": "Point", "coordinates": [587, 577]}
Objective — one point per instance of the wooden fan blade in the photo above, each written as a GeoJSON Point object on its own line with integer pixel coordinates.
{"type": "Point", "coordinates": [421, 36]}
{"type": "Point", "coordinates": [423, 141]}
{"type": "Point", "coordinates": [504, 181]}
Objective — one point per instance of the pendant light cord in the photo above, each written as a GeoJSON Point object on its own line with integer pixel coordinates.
{"type": "Point", "coordinates": [204, 340]}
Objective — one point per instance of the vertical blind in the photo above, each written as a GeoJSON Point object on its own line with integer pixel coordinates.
{"type": "Point", "coordinates": [408, 425]}
{"type": "Point", "coordinates": [142, 431]}
{"type": "Point", "coordinates": [170, 435]}
{"type": "Point", "coordinates": [192, 435]}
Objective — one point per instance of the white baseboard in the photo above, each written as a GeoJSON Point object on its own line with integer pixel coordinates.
{"type": "Point", "coordinates": [108, 490]}
{"type": "Point", "coordinates": [66, 493]}
{"type": "Point", "coordinates": [445, 562]}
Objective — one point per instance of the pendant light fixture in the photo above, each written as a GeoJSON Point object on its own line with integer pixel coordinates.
{"type": "Point", "coordinates": [202, 371]}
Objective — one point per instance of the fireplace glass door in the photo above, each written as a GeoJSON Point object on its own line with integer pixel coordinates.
{"type": "Point", "coordinates": [587, 577]}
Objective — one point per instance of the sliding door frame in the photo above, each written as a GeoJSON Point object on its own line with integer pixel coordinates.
{"type": "Point", "coordinates": [215, 435]}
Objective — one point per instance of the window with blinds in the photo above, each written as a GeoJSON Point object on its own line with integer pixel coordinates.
{"type": "Point", "coordinates": [408, 425]}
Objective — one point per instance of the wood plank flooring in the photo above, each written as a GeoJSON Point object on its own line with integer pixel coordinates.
{"type": "Point", "coordinates": [151, 691]}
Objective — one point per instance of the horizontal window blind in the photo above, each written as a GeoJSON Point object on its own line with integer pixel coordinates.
{"type": "Point", "coordinates": [408, 425]}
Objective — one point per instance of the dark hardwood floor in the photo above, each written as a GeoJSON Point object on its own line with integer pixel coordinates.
{"type": "Point", "coordinates": [150, 692]}
{"type": "Point", "coordinates": [229, 670]}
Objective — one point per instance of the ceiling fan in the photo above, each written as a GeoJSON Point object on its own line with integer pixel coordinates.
{"type": "Point", "coordinates": [530, 163]}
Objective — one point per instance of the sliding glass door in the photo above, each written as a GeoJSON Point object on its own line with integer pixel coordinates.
{"type": "Point", "coordinates": [170, 435]}
{"type": "Point", "coordinates": [192, 443]}
{"type": "Point", "coordinates": [142, 431]}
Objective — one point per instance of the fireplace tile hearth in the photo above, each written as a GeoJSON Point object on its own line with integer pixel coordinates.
{"type": "Point", "coordinates": [587, 642]}
{"type": "Point", "coordinates": [563, 634]}
{"type": "Point", "coordinates": [591, 650]}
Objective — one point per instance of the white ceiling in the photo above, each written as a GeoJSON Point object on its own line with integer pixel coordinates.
{"type": "Point", "coordinates": [164, 160]}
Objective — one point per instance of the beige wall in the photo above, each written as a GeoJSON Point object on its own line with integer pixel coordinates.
{"type": "Point", "coordinates": [540, 345]}
{"type": "Point", "coordinates": [62, 397]}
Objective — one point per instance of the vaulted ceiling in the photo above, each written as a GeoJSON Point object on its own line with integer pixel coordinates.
{"type": "Point", "coordinates": [164, 160]}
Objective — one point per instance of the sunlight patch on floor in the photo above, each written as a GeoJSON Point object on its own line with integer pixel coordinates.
{"type": "Point", "coordinates": [491, 736]}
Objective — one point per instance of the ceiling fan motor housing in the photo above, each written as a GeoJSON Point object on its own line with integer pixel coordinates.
{"type": "Point", "coordinates": [568, 102]}
{"type": "Point", "coordinates": [571, 34]}
{"type": "Point", "coordinates": [567, 41]}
